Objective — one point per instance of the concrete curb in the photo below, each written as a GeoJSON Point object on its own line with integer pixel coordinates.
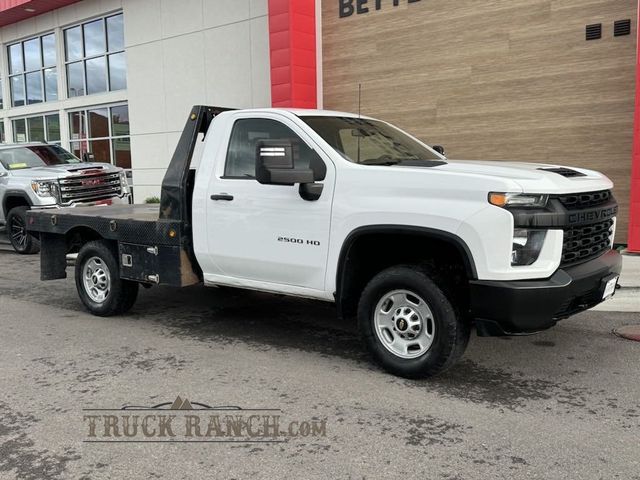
{"type": "Point", "coordinates": [625, 300]}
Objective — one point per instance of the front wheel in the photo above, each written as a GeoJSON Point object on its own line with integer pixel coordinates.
{"type": "Point", "coordinates": [409, 325]}
{"type": "Point", "coordinates": [98, 281]}
{"type": "Point", "coordinates": [21, 240]}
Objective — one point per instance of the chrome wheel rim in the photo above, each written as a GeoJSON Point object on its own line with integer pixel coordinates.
{"type": "Point", "coordinates": [404, 324]}
{"type": "Point", "coordinates": [18, 233]}
{"type": "Point", "coordinates": [96, 279]}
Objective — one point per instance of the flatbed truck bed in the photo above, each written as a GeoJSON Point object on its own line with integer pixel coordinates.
{"type": "Point", "coordinates": [154, 242]}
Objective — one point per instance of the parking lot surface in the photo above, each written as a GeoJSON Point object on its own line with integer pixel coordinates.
{"type": "Point", "coordinates": [564, 404]}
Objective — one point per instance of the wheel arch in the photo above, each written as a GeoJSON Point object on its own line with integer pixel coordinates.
{"type": "Point", "coordinates": [13, 199]}
{"type": "Point", "coordinates": [344, 284]}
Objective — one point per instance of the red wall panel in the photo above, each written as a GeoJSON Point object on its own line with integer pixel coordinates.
{"type": "Point", "coordinates": [292, 45]}
{"type": "Point", "coordinates": [13, 11]}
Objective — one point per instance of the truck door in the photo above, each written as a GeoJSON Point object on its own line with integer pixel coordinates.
{"type": "Point", "coordinates": [267, 233]}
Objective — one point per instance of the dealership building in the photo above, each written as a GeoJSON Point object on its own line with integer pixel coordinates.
{"type": "Point", "coordinates": [550, 81]}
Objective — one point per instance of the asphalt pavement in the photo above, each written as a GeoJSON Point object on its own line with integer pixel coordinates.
{"type": "Point", "coordinates": [564, 404]}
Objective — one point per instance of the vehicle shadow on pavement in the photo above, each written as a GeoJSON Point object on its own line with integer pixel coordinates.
{"type": "Point", "coordinates": [500, 372]}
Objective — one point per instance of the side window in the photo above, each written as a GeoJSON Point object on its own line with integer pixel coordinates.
{"type": "Point", "coordinates": [246, 133]}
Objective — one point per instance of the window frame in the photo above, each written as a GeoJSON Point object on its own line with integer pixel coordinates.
{"type": "Point", "coordinates": [85, 126]}
{"type": "Point", "coordinates": [84, 58]}
{"type": "Point", "coordinates": [41, 70]}
{"type": "Point", "coordinates": [224, 176]}
{"type": "Point", "coordinates": [43, 116]}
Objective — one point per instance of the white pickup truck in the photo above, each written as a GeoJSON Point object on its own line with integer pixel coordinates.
{"type": "Point", "coordinates": [352, 210]}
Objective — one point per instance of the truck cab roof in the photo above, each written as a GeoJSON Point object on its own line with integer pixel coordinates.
{"type": "Point", "coordinates": [303, 112]}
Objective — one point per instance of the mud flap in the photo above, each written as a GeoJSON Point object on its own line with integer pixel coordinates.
{"type": "Point", "coordinates": [53, 256]}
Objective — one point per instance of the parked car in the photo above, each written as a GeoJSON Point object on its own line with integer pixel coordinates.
{"type": "Point", "coordinates": [40, 175]}
{"type": "Point", "coordinates": [352, 210]}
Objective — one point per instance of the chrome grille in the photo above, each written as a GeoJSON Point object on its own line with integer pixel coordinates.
{"type": "Point", "coordinates": [584, 242]}
{"type": "Point", "coordinates": [86, 188]}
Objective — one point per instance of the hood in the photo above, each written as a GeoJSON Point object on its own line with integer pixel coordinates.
{"type": "Point", "coordinates": [60, 171]}
{"type": "Point", "coordinates": [534, 177]}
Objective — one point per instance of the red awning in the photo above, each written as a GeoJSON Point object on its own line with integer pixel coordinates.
{"type": "Point", "coordinates": [13, 11]}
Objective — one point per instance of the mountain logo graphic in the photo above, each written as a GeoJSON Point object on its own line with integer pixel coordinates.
{"type": "Point", "coordinates": [180, 404]}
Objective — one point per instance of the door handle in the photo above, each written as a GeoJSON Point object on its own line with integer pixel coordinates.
{"type": "Point", "coordinates": [222, 196]}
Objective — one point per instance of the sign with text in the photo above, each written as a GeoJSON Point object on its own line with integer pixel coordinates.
{"type": "Point", "coordinates": [359, 7]}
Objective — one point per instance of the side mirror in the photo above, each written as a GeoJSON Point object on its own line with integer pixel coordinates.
{"type": "Point", "coordinates": [3, 174]}
{"type": "Point", "coordinates": [439, 149]}
{"type": "Point", "coordinates": [88, 157]}
{"type": "Point", "coordinates": [275, 164]}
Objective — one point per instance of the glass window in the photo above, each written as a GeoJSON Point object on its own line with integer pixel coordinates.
{"type": "Point", "coordinates": [101, 150]}
{"type": "Point", "coordinates": [122, 152]}
{"type": "Point", "coordinates": [95, 56]}
{"type": "Point", "coordinates": [75, 79]}
{"type": "Point", "coordinates": [39, 128]}
{"type": "Point", "coordinates": [115, 33]}
{"type": "Point", "coordinates": [50, 84]}
{"type": "Point", "coordinates": [104, 132]}
{"type": "Point", "coordinates": [73, 43]}
{"type": "Point", "coordinates": [98, 123]}
{"type": "Point", "coordinates": [241, 155]}
{"type": "Point", "coordinates": [117, 71]}
{"type": "Point", "coordinates": [49, 50]}
{"type": "Point", "coordinates": [2, 137]}
{"type": "Point", "coordinates": [35, 156]}
{"type": "Point", "coordinates": [32, 58]}
{"type": "Point", "coordinates": [15, 59]}
{"type": "Point", "coordinates": [53, 127]}
{"type": "Point", "coordinates": [77, 126]}
{"type": "Point", "coordinates": [35, 129]}
{"type": "Point", "coordinates": [120, 120]}
{"type": "Point", "coordinates": [17, 90]}
{"type": "Point", "coordinates": [19, 130]}
{"type": "Point", "coordinates": [96, 75]}
{"type": "Point", "coordinates": [31, 77]}
{"type": "Point", "coordinates": [370, 142]}
{"type": "Point", "coordinates": [1, 100]}
{"type": "Point", "coordinates": [34, 87]}
{"type": "Point", "coordinates": [94, 38]}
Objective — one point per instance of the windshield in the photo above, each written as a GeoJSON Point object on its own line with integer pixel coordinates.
{"type": "Point", "coordinates": [35, 156]}
{"type": "Point", "coordinates": [371, 142]}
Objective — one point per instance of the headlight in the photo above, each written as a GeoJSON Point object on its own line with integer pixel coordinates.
{"type": "Point", "coordinates": [46, 188]}
{"type": "Point", "coordinates": [124, 184]}
{"type": "Point", "coordinates": [526, 200]}
{"type": "Point", "coordinates": [527, 245]}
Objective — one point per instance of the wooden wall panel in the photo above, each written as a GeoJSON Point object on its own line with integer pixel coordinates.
{"type": "Point", "coordinates": [495, 80]}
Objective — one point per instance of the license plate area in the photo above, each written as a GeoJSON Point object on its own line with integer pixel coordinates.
{"type": "Point", "coordinates": [609, 286]}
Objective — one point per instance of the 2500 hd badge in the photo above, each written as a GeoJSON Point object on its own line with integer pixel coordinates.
{"type": "Point", "coordinates": [299, 241]}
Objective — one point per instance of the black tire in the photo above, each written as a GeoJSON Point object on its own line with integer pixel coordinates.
{"type": "Point", "coordinates": [450, 330]}
{"type": "Point", "coordinates": [121, 294]}
{"type": "Point", "coordinates": [22, 242]}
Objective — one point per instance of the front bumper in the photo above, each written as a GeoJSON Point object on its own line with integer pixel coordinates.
{"type": "Point", "coordinates": [124, 199]}
{"type": "Point", "coordinates": [527, 306]}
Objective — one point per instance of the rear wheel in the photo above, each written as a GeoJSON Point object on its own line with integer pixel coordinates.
{"type": "Point", "coordinates": [21, 240]}
{"type": "Point", "coordinates": [409, 324]}
{"type": "Point", "coordinates": [98, 281]}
